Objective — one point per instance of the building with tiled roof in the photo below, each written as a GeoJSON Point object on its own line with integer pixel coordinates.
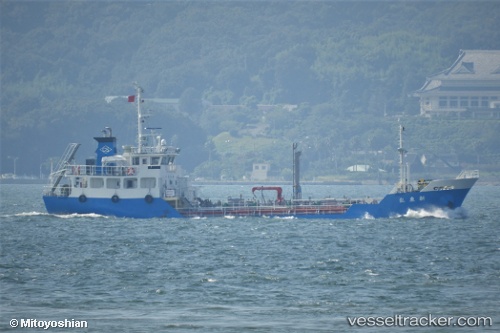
{"type": "Point", "coordinates": [469, 88]}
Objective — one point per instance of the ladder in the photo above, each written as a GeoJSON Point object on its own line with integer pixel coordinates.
{"type": "Point", "coordinates": [67, 156]}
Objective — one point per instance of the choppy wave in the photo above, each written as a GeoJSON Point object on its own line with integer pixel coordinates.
{"type": "Point", "coordinates": [25, 214]}
{"type": "Point", "coordinates": [368, 216]}
{"type": "Point", "coordinates": [370, 272]}
{"type": "Point", "coordinates": [62, 216]}
{"type": "Point", "coordinates": [286, 217]}
{"type": "Point", "coordinates": [31, 214]}
{"type": "Point", "coordinates": [439, 213]}
{"type": "Point", "coordinates": [74, 215]}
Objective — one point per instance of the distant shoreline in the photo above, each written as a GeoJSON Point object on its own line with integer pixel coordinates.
{"type": "Point", "coordinates": [22, 181]}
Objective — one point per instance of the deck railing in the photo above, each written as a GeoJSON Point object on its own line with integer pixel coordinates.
{"type": "Point", "coordinates": [468, 174]}
{"type": "Point", "coordinates": [93, 170]}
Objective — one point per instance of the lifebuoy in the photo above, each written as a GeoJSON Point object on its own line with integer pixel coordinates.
{"type": "Point", "coordinates": [82, 198]}
{"type": "Point", "coordinates": [130, 171]}
{"type": "Point", "coordinates": [115, 198]}
{"type": "Point", "coordinates": [148, 198]}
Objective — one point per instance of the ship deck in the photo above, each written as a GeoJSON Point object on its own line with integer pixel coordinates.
{"type": "Point", "coordinates": [264, 210]}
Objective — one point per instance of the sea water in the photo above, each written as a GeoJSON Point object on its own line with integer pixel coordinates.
{"type": "Point", "coordinates": [251, 274]}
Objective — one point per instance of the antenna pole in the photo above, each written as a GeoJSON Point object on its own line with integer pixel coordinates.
{"type": "Point", "coordinates": [402, 169]}
{"type": "Point", "coordinates": [297, 191]}
{"type": "Point", "coordinates": [139, 117]}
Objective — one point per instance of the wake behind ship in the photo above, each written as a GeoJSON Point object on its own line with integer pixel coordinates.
{"type": "Point", "coordinates": [144, 182]}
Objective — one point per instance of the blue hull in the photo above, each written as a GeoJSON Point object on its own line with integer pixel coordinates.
{"type": "Point", "coordinates": [400, 203]}
{"type": "Point", "coordinates": [135, 208]}
{"type": "Point", "coordinates": [391, 205]}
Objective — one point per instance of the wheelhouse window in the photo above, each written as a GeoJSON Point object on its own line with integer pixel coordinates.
{"type": "Point", "coordinates": [155, 160]}
{"type": "Point", "coordinates": [135, 161]}
{"type": "Point", "coordinates": [113, 183]}
{"type": "Point", "coordinates": [148, 182]}
{"type": "Point", "coordinates": [96, 183]}
{"type": "Point", "coordinates": [131, 183]}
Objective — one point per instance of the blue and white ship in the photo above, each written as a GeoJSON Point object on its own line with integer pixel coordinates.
{"type": "Point", "coordinates": [144, 182]}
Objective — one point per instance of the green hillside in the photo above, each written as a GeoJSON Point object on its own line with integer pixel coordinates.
{"type": "Point", "coordinates": [251, 78]}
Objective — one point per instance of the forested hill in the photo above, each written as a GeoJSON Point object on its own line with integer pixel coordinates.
{"type": "Point", "coordinates": [348, 66]}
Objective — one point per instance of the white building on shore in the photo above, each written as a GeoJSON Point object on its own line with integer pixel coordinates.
{"type": "Point", "coordinates": [469, 88]}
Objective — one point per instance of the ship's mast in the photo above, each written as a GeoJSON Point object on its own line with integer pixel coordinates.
{"type": "Point", "coordinates": [139, 117]}
{"type": "Point", "coordinates": [297, 190]}
{"type": "Point", "coordinates": [402, 169]}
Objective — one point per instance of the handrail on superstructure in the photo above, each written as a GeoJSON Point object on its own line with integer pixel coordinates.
{"type": "Point", "coordinates": [67, 156]}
